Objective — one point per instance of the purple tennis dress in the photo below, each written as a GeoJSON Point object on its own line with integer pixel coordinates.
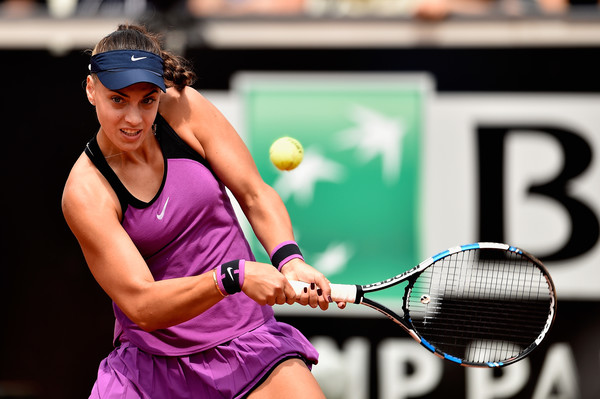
{"type": "Point", "coordinates": [189, 228]}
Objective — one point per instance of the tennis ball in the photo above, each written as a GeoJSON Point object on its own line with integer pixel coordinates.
{"type": "Point", "coordinates": [286, 153]}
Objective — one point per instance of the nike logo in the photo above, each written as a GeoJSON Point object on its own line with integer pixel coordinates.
{"type": "Point", "coordinates": [161, 215]}
{"type": "Point", "coordinates": [229, 269]}
{"type": "Point", "coordinates": [134, 58]}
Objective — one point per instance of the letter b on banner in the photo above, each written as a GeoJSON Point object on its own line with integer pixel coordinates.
{"type": "Point", "coordinates": [573, 157]}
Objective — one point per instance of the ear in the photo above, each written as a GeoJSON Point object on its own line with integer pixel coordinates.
{"type": "Point", "coordinates": [90, 90]}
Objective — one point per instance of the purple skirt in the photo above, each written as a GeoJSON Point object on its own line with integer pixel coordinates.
{"type": "Point", "coordinates": [229, 370]}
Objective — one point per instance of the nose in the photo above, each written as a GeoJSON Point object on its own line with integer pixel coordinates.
{"type": "Point", "coordinates": [133, 116]}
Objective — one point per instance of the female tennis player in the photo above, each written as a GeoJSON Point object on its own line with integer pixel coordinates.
{"type": "Point", "coordinates": [147, 202]}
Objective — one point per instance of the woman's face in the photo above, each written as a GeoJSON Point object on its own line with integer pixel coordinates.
{"type": "Point", "coordinates": [126, 115]}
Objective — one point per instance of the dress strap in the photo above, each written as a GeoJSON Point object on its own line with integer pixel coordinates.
{"type": "Point", "coordinates": [92, 150]}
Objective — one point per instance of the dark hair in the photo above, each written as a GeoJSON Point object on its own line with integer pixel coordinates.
{"type": "Point", "coordinates": [178, 72]}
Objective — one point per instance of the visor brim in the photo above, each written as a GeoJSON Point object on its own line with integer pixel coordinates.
{"type": "Point", "coordinates": [116, 80]}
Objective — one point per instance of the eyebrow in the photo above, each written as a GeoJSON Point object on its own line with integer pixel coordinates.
{"type": "Point", "coordinates": [146, 95]}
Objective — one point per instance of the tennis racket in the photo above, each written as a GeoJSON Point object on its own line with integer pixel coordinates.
{"type": "Point", "coordinates": [478, 305]}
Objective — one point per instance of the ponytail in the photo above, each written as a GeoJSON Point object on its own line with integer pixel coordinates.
{"type": "Point", "coordinates": [178, 71]}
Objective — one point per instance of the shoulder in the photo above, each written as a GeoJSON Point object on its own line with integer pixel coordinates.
{"type": "Point", "coordinates": [86, 191]}
{"type": "Point", "coordinates": [195, 119]}
{"type": "Point", "coordinates": [181, 102]}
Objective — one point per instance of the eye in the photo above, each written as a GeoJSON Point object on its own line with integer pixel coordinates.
{"type": "Point", "coordinates": [117, 99]}
{"type": "Point", "coordinates": [149, 100]}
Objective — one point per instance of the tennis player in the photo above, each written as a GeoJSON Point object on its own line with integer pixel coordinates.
{"type": "Point", "coordinates": [147, 202]}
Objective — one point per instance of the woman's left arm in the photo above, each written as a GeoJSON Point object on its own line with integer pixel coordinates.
{"type": "Point", "coordinates": [206, 129]}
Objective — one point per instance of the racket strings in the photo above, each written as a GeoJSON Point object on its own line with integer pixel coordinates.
{"type": "Point", "coordinates": [481, 306]}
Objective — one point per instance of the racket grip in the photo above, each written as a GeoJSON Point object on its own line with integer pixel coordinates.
{"type": "Point", "coordinates": [339, 292]}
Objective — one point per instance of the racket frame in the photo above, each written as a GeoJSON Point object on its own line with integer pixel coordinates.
{"type": "Point", "coordinates": [356, 294]}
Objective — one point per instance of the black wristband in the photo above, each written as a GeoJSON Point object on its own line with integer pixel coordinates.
{"type": "Point", "coordinates": [285, 252]}
{"type": "Point", "coordinates": [231, 276]}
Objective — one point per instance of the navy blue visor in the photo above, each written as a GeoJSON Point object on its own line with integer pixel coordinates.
{"type": "Point", "coordinates": [117, 69]}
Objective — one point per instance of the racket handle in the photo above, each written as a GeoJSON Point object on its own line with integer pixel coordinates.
{"type": "Point", "coordinates": [339, 292]}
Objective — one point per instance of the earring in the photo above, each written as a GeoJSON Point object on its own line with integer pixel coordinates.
{"type": "Point", "coordinates": [154, 129]}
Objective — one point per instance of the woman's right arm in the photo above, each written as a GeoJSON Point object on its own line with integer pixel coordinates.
{"type": "Point", "coordinates": [92, 211]}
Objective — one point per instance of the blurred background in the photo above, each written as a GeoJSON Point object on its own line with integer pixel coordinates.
{"type": "Point", "coordinates": [493, 112]}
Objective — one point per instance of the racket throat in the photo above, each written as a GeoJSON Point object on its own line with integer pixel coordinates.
{"type": "Point", "coordinates": [390, 314]}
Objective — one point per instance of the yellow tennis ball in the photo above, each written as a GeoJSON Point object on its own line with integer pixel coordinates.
{"type": "Point", "coordinates": [286, 153]}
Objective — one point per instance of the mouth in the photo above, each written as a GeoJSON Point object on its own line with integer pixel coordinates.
{"type": "Point", "coordinates": [131, 132]}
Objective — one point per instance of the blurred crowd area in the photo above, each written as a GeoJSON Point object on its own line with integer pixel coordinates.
{"type": "Point", "coordinates": [418, 9]}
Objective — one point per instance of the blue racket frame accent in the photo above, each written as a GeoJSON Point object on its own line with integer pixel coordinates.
{"type": "Point", "coordinates": [427, 345]}
{"type": "Point", "coordinates": [453, 359]}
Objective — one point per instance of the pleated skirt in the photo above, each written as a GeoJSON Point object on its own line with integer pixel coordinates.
{"type": "Point", "coordinates": [230, 370]}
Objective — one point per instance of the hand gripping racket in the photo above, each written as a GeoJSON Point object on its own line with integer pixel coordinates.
{"type": "Point", "coordinates": [478, 305]}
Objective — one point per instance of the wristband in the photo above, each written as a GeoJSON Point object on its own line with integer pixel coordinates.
{"type": "Point", "coordinates": [285, 252]}
{"type": "Point", "coordinates": [230, 276]}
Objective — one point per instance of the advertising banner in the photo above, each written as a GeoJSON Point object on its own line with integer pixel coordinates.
{"type": "Point", "coordinates": [394, 173]}
{"type": "Point", "coordinates": [355, 198]}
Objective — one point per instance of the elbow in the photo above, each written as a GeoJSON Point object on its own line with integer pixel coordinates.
{"type": "Point", "coordinates": [150, 322]}
{"type": "Point", "coordinates": [144, 319]}
{"type": "Point", "coordinates": [146, 325]}
{"type": "Point", "coordinates": [141, 307]}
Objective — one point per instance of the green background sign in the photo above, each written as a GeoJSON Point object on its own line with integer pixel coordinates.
{"type": "Point", "coordinates": [354, 201]}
